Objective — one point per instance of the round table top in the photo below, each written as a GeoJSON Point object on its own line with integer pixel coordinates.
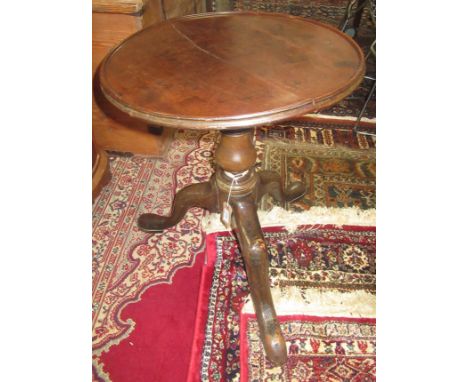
{"type": "Point", "coordinates": [231, 70]}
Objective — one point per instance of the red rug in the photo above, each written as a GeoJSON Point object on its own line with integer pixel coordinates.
{"type": "Point", "coordinates": [158, 349]}
{"type": "Point", "coordinates": [314, 258]}
{"type": "Point", "coordinates": [143, 310]}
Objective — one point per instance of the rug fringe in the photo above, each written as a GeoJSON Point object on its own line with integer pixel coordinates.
{"type": "Point", "coordinates": [318, 302]}
{"type": "Point", "coordinates": [280, 217]}
{"type": "Point", "coordinates": [345, 118]}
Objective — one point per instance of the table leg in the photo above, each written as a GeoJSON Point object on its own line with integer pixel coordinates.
{"type": "Point", "coordinates": [254, 252]}
{"type": "Point", "coordinates": [202, 195]}
{"type": "Point", "coordinates": [270, 183]}
{"type": "Point", "coordinates": [236, 182]}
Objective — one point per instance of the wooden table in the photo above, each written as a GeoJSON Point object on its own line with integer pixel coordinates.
{"type": "Point", "coordinates": [232, 72]}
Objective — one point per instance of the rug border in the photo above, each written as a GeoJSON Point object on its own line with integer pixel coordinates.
{"type": "Point", "coordinates": [194, 368]}
{"type": "Point", "coordinates": [244, 317]}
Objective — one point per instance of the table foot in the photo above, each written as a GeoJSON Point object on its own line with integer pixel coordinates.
{"type": "Point", "coordinates": [270, 183]}
{"type": "Point", "coordinates": [254, 252]}
{"type": "Point", "coordinates": [196, 195]}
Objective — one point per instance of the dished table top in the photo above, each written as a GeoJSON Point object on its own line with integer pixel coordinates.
{"type": "Point", "coordinates": [231, 70]}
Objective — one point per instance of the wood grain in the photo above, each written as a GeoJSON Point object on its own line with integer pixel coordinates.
{"type": "Point", "coordinates": [130, 7]}
{"type": "Point", "coordinates": [114, 130]}
{"type": "Point", "coordinates": [231, 70]}
{"type": "Point", "coordinates": [101, 171]}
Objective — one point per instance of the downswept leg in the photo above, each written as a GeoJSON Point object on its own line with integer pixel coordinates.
{"type": "Point", "coordinates": [196, 195]}
{"type": "Point", "coordinates": [270, 183]}
{"type": "Point", "coordinates": [254, 252]}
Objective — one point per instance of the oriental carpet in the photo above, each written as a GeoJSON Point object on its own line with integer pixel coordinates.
{"type": "Point", "coordinates": [140, 280]}
{"type": "Point", "coordinates": [337, 166]}
{"type": "Point", "coordinates": [127, 261]}
{"type": "Point", "coordinates": [325, 349]}
{"type": "Point", "coordinates": [321, 270]}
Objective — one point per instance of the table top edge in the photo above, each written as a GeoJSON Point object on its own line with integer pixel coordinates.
{"type": "Point", "coordinates": [239, 121]}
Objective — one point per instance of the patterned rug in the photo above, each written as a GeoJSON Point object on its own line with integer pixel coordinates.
{"type": "Point", "coordinates": [127, 261]}
{"type": "Point", "coordinates": [325, 270]}
{"type": "Point", "coordinates": [337, 165]}
{"type": "Point", "coordinates": [326, 349]}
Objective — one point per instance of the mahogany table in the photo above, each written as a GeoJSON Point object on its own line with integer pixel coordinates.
{"type": "Point", "coordinates": [231, 72]}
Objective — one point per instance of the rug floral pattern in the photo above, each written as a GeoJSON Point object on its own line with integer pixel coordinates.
{"type": "Point", "coordinates": [319, 349]}
{"type": "Point", "coordinates": [323, 257]}
{"type": "Point", "coordinates": [126, 260]}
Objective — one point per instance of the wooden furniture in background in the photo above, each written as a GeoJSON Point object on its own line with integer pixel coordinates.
{"type": "Point", "coordinates": [231, 72]}
{"type": "Point", "coordinates": [101, 171]}
{"type": "Point", "coordinates": [113, 21]}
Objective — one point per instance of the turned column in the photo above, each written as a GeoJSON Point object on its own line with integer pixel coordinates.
{"type": "Point", "coordinates": [235, 158]}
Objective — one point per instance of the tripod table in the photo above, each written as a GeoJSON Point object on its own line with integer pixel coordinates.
{"type": "Point", "coordinates": [231, 72]}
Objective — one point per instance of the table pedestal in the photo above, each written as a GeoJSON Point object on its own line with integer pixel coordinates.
{"type": "Point", "coordinates": [237, 184]}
